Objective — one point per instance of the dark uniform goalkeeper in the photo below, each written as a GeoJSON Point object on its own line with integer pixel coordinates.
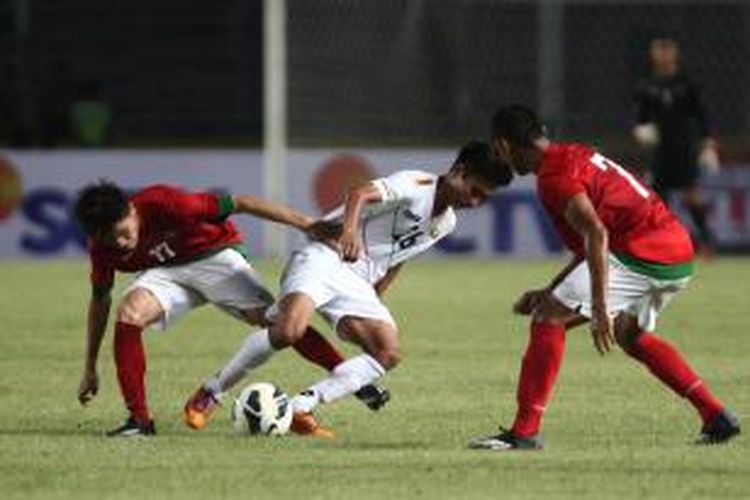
{"type": "Point", "coordinates": [671, 118]}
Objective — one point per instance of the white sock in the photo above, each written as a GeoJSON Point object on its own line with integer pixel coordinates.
{"type": "Point", "coordinates": [346, 379]}
{"type": "Point", "coordinates": [255, 350]}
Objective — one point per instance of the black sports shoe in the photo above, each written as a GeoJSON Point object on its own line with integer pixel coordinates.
{"type": "Point", "coordinates": [721, 429]}
{"type": "Point", "coordinates": [506, 440]}
{"type": "Point", "coordinates": [374, 396]}
{"type": "Point", "coordinates": [133, 428]}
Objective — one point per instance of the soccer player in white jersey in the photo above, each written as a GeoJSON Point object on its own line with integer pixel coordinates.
{"type": "Point", "coordinates": [381, 225]}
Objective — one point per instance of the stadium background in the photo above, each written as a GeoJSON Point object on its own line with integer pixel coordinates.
{"type": "Point", "coordinates": [360, 75]}
{"type": "Point", "coordinates": [371, 86]}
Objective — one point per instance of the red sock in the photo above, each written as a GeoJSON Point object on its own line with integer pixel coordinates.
{"type": "Point", "coordinates": [131, 369]}
{"type": "Point", "coordinates": [316, 349]}
{"type": "Point", "coordinates": [539, 369]}
{"type": "Point", "coordinates": [667, 364]}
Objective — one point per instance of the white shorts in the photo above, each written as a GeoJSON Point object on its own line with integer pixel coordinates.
{"type": "Point", "coordinates": [335, 289]}
{"type": "Point", "coordinates": [224, 279]}
{"type": "Point", "coordinates": [629, 292]}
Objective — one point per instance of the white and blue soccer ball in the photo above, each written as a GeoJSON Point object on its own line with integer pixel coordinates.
{"type": "Point", "coordinates": [262, 409]}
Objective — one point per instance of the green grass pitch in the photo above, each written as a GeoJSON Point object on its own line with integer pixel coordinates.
{"type": "Point", "coordinates": [611, 430]}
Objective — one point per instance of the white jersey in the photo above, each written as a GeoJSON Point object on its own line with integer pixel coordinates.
{"type": "Point", "coordinates": [401, 226]}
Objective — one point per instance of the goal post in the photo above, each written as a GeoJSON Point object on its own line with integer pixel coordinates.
{"type": "Point", "coordinates": [274, 116]}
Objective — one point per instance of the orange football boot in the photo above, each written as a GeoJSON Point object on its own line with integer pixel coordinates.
{"type": "Point", "coordinates": [199, 408]}
{"type": "Point", "coordinates": [304, 424]}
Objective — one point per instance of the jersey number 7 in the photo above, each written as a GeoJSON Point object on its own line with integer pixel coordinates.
{"type": "Point", "coordinates": [603, 163]}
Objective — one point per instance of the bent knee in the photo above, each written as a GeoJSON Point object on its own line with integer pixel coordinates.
{"type": "Point", "coordinates": [133, 315]}
{"type": "Point", "coordinates": [286, 333]}
{"type": "Point", "coordinates": [140, 308]}
{"type": "Point", "coordinates": [627, 332]}
{"type": "Point", "coordinates": [554, 312]}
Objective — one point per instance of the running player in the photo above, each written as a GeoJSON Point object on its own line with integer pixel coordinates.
{"type": "Point", "coordinates": [630, 256]}
{"type": "Point", "coordinates": [382, 224]}
{"type": "Point", "coordinates": [187, 253]}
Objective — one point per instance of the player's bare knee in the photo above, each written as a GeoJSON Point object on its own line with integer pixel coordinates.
{"type": "Point", "coordinates": [140, 308]}
{"type": "Point", "coordinates": [627, 331]}
{"type": "Point", "coordinates": [286, 331]}
{"type": "Point", "coordinates": [553, 312]}
{"type": "Point", "coordinates": [129, 313]}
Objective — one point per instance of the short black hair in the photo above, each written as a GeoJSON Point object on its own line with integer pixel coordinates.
{"type": "Point", "coordinates": [479, 160]}
{"type": "Point", "coordinates": [100, 206]}
{"type": "Point", "coordinates": [518, 124]}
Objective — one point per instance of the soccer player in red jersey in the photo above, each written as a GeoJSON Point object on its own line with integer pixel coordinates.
{"type": "Point", "coordinates": [630, 257]}
{"type": "Point", "coordinates": [187, 253]}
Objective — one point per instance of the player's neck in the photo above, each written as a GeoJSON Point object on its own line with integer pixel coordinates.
{"type": "Point", "coordinates": [440, 204]}
{"type": "Point", "coordinates": [540, 148]}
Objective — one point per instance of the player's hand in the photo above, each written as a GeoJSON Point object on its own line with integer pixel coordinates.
{"type": "Point", "coordinates": [350, 246]}
{"type": "Point", "coordinates": [602, 330]}
{"type": "Point", "coordinates": [529, 301]}
{"type": "Point", "coordinates": [88, 387]}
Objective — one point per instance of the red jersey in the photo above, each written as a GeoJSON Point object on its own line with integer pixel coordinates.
{"type": "Point", "coordinates": [175, 227]}
{"type": "Point", "coordinates": [638, 222]}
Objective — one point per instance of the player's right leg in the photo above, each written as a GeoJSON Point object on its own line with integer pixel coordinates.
{"type": "Point", "coordinates": [314, 347]}
{"type": "Point", "coordinates": [379, 341]}
{"type": "Point", "coordinates": [138, 309]}
{"type": "Point", "coordinates": [539, 370]}
{"type": "Point", "coordinates": [153, 299]}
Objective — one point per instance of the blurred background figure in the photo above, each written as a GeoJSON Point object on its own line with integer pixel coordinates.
{"type": "Point", "coordinates": [672, 121]}
{"type": "Point", "coordinates": [90, 116]}
{"type": "Point", "coordinates": [54, 98]}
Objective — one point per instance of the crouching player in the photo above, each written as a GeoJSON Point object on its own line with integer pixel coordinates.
{"type": "Point", "coordinates": [630, 257]}
{"type": "Point", "coordinates": [187, 254]}
{"type": "Point", "coordinates": [382, 224]}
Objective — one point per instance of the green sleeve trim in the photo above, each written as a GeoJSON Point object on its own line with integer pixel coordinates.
{"type": "Point", "coordinates": [656, 270]}
{"type": "Point", "coordinates": [242, 250]}
{"type": "Point", "coordinates": [226, 206]}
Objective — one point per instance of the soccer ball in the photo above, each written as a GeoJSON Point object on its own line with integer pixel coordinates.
{"type": "Point", "coordinates": [262, 409]}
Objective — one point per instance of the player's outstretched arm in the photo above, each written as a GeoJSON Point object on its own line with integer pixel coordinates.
{"type": "Point", "coordinates": [270, 210]}
{"type": "Point", "coordinates": [350, 245]}
{"type": "Point", "coordinates": [581, 215]}
{"type": "Point", "coordinates": [99, 305]}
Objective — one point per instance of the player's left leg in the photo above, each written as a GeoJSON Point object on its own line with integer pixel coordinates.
{"type": "Point", "coordinates": [666, 363]}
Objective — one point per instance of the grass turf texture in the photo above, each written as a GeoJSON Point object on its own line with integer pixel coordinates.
{"type": "Point", "coordinates": [612, 431]}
